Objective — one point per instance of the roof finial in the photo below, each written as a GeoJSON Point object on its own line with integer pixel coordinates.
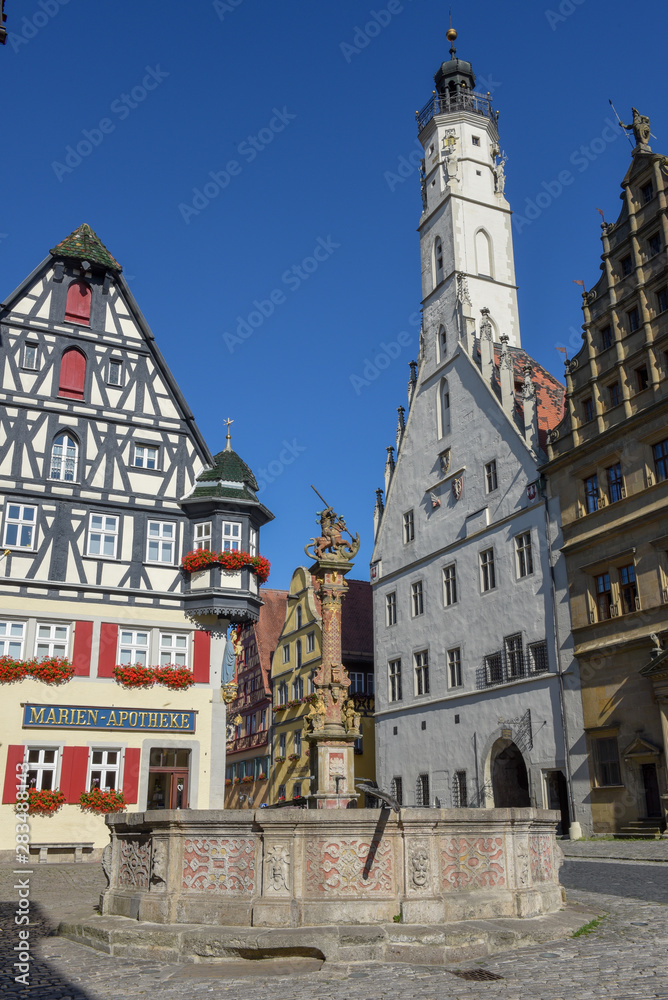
{"type": "Point", "coordinates": [228, 440]}
{"type": "Point", "coordinates": [451, 35]}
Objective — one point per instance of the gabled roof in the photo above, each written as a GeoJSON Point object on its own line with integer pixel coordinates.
{"type": "Point", "coordinates": [269, 626]}
{"type": "Point", "coordinates": [84, 244]}
{"type": "Point", "coordinates": [357, 619]}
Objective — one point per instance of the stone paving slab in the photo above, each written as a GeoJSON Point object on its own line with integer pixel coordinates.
{"type": "Point", "coordinates": [630, 850]}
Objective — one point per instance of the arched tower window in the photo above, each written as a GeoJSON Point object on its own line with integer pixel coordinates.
{"type": "Point", "coordinates": [77, 307]}
{"type": "Point", "coordinates": [441, 344]}
{"type": "Point", "coordinates": [444, 408]}
{"type": "Point", "coordinates": [438, 261]}
{"type": "Point", "coordinates": [72, 374]}
{"type": "Point", "coordinates": [483, 253]}
{"type": "Point", "coordinates": [298, 653]}
{"type": "Point", "coordinates": [64, 458]}
{"type": "Point", "coordinates": [298, 616]}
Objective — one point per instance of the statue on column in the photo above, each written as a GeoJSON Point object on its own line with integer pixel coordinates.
{"type": "Point", "coordinates": [640, 128]}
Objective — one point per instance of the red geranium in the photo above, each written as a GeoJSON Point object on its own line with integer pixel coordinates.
{"type": "Point", "coordinates": [50, 670]}
{"type": "Point", "coordinates": [44, 801]}
{"type": "Point", "coordinates": [102, 802]}
{"type": "Point", "coordinates": [135, 675]}
{"type": "Point", "coordinates": [11, 670]}
{"type": "Point", "coordinates": [173, 676]}
{"type": "Point", "coordinates": [192, 562]}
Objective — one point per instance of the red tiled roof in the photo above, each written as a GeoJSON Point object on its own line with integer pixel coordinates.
{"type": "Point", "coordinates": [268, 628]}
{"type": "Point", "coordinates": [357, 619]}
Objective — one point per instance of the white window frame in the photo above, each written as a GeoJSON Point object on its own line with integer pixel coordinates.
{"type": "Point", "coordinates": [231, 539]}
{"type": "Point", "coordinates": [24, 359]}
{"type": "Point", "coordinates": [20, 522]}
{"type": "Point", "coordinates": [60, 469]}
{"type": "Point", "coordinates": [491, 476]}
{"type": "Point", "coordinates": [297, 741]}
{"type": "Point", "coordinates": [298, 689]}
{"type": "Point", "coordinates": [42, 767]}
{"type": "Point", "coordinates": [409, 527]}
{"type": "Point", "coordinates": [161, 540]}
{"type": "Point", "coordinates": [395, 692]}
{"type": "Point", "coordinates": [421, 673]}
{"type": "Point", "coordinates": [310, 642]}
{"type": "Point", "coordinates": [487, 571]}
{"type": "Point", "coordinates": [283, 692]}
{"type": "Point", "coordinates": [7, 639]}
{"type": "Point", "coordinates": [135, 647]}
{"type": "Point", "coordinates": [391, 609]}
{"type": "Point", "coordinates": [58, 645]}
{"type": "Point", "coordinates": [455, 668]}
{"type": "Point", "coordinates": [115, 365]}
{"type": "Point", "coordinates": [357, 682]}
{"type": "Point", "coordinates": [417, 599]}
{"type": "Point", "coordinates": [143, 453]}
{"type": "Point", "coordinates": [103, 533]}
{"type": "Point", "coordinates": [296, 789]}
{"type": "Point", "coordinates": [523, 554]}
{"type": "Point", "coordinates": [202, 535]}
{"type": "Point", "coordinates": [105, 768]}
{"type": "Point", "coordinates": [178, 648]}
{"type": "Point", "coordinates": [253, 538]}
{"type": "Point", "coordinates": [286, 653]}
{"type": "Point", "coordinates": [282, 744]}
{"type": "Point", "coordinates": [450, 585]}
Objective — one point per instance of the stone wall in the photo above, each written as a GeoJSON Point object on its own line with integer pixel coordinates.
{"type": "Point", "coordinates": [294, 867]}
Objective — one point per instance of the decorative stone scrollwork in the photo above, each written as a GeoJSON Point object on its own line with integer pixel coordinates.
{"type": "Point", "coordinates": [591, 295]}
{"type": "Point", "coordinates": [135, 861]}
{"type": "Point", "coordinates": [159, 862]}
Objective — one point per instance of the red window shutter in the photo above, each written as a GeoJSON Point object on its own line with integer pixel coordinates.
{"type": "Point", "coordinates": [77, 307]}
{"type": "Point", "coordinates": [131, 774]}
{"type": "Point", "coordinates": [83, 641]}
{"type": "Point", "coordinates": [72, 374]}
{"type": "Point", "coordinates": [73, 771]}
{"type": "Point", "coordinates": [15, 756]}
{"type": "Point", "coordinates": [108, 643]}
{"type": "Point", "coordinates": [201, 657]}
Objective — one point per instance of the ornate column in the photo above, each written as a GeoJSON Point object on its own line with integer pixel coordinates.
{"type": "Point", "coordinates": [332, 724]}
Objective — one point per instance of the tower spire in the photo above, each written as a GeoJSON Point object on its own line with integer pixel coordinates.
{"type": "Point", "coordinates": [228, 439]}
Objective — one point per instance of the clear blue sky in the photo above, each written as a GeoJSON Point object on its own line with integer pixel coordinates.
{"type": "Point", "coordinates": [314, 127]}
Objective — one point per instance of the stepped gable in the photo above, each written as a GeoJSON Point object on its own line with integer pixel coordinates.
{"type": "Point", "coordinates": [84, 244]}
{"type": "Point", "coordinates": [269, 627]}
{"type": "Point", "coordinates": [357, 619]}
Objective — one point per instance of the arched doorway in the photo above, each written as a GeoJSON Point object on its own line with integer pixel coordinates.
{"type": "Point", "coordinates": [510, 781]}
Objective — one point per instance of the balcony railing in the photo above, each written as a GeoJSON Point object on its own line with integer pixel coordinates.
{"type": "Point", "coordinates": [500, 669]}
{"type": "Point", "coordinates": [249, 742]}
{"type": "Point", "coordinates": [448, 104]}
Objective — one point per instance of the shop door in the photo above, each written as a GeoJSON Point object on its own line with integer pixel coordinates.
{"type": "Point", "coordinates": [168, 779]}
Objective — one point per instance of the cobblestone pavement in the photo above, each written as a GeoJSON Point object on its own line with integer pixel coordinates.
{"type": "Point", "coordinates": [622, 959]}
{"type": "Point", "coordinates": [628, 879]}
{"type": "Point", "coordinates": [630, 850]}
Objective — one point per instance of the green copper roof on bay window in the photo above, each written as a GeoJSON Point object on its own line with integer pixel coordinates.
{"type": "Point", "coordinates": [84, 244]}
{"type": "Point", "coordinates": [228, 468]}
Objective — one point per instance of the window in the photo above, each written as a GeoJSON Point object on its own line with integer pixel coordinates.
{"type": "Point", "coordinates": [660, 452]}
{"type": "Point", "coordinates": [296, 789]}
{"type": "Point", "coordinates": [627, 265]}
{"type": "Point", "coordinates": [647, 192]}
{"type": "Point", "coordinates": [146, 456]}
{"type": "Point", "coordinates": [454, 668]}
{"type": "Point", "coordinates": [286, 653]}
{"type": "Point", "coordinates": [514, 656]}
{"type": "Point", "coordinates": [654, 244]}
{"type": "Point", "coordinates": [493, 669]}
{"type": "Point", "coordinates": [587, 409]}
{"type": "Point", "coordinates": [281, 793]}
{"type": "Point", "coordinates": [64, 458]}
{"type": "Point", "coordinates": [12, 635]}
{"type": "Point", "coordinates": [444, 403]}
{"type": "Point", "coordinates": [491, 482]}
{"type": "Point", "coordinates": [483, 253]}
{"type": "Point", "coordinates": [161, 538]}
{"type": "Point", "coordinates": [20, 526]}
{"type": "Point", "coordinates": [203, 535]}
{"type": "Point", "coordinates": [298, 616]}
{"type": "Point", "coordinates": [422, 790]}
{"type": "Point", "coordinates": [105, 768]}
{"type": "Point", "coordinates": [421, 673]}
{"type": "Point", "coordinates": [298, 653]}
{"type": "Point", "coordinates": [297, 741]}
{"type": "Point", "coordinates": [538, 657]}
{"type": "Point", "coordinates": [42, 764]}
{"type": "Point", "coordinates": [606, 338]}
{"type": "Point", "coordinates": [102, 535]}
{"type": "Point", "coordinates": [72, 380]}
{"type": "Point", "coordinates": [591, 493]}
{"type": "Point", "coordinates": [252, 541]}
{"type": "Point", "coordinates": [298, 689]}
{"type": "Point", "coordinates": [397, 790]}
{"type": "Point", "coordinates": [662, 299]}
{"type": "Point", "coordinates": [459, 793]}
{"type": "Point", "coordinates": [629, 590]}
{"type": "Point", "coordinates": [417, 599]}
{"type": "Point", "coordinates": [30, 357]}
{"type": "Point", "coordinates": [634, 319]}
{"type": "Point", "coordinates": [283, 693]}
{"type": "Point", "coordinates": [438, 260]}
{"type": "Point", "coordinates": [642, 378]}
{"type": "Point", "coordinates": [487, 572]}
{"type": "Point", "coordinates": [282, 744]}
{"type": "Point", "coordinates": [51, 640]}
{"type": "Point", "coordinates": [614, 397]}
{"type": "Point", "coordinates": [115, 372]}
{"type": "Point", "coordinates": [391, 608]}
{"type": "Point", "coordinates": [409, 527]}
{"type": "Point", "coordinates": [174, 649]}
{"type": "Point", "coordinates": [442, 343]}
{"type": "Point", "coordinates": [133, 647]}
{"type": "Point", "coordinates": [606, 757]}
{"type": "Point", "coordinates": [231, 536]}
{"type": "Point", "coordinates": [524, 554]}
{"type": "Point", "coordinates": [603, 596]}
{"type": "Point", "coordinates": [475, 139]}
{"type": "Point", "coordinates": [77, 306]}
{"type": "Point", "coordinates": [615, 482]}
{"type": "Point", "coordinates": [310, 642]}
{"type": "Point", "coordinates": [450, 585]}
{"type": "Point", "coordinates": [394, 673]}
{"type": "Point", "coordinates": [356, 683]}
{"type": "Point", "coordinates": [369, 683]}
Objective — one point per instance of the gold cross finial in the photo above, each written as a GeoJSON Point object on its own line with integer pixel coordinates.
{"type": "Point", "coordinates": [228, 441]}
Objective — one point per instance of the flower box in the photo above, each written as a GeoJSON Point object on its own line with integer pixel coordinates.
{"type": "Point", "coordinates": [295, 703]}
{"type": "Point", "coordinates": [247, 779]}
{"type": "Point", "coordinates": [228, 782]}
{"type": "Point", "coordinates": [50, 670]}
{"type": "Point", "coordinates": [261, 776]}
{"type": "Point", "coordinates": [134, 675]}
{"type": "Point", "coordinates": [237, 780]}
{"type": "Point", "coordinates": [174, 677]}
{"type": "Point", "coordinates": [44, 802]}
{"type": "Point", "coordinates": [294, 756]}
{"type": "Point", "coordinates": [194, 562]}
{"type": "Point", "coordinates": [102, 802]}
{"type": "Point", "coordinates": [279, 760]}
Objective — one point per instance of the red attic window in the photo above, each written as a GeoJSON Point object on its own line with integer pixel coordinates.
{"type": "Point", "coordinates": [72, 374]}
{"type": "Point", "coordinates": [77, 308]}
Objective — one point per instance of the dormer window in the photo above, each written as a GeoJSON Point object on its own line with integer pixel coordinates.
{"type": "Point", "coordinates": [77, 307]}
{"type": "Point", "coordinates": [72, 374]}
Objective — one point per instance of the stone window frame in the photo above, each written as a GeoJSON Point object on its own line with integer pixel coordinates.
{"type": "Point", "coordinates": [455, 676]}
{"type": "Point", "coordinates": [417, 598]}
{"type": "Point", "coordinates": [394, 681]}
{"type": "Point", "coordinates": [390, 609]}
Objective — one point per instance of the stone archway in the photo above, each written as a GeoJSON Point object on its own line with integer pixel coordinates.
{"type": "Point", "coordinates": [510, 780]}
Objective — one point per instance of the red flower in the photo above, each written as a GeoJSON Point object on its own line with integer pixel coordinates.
{"type": "Point", "coordinates": [50, 670]}
{"type": "Point", "coordinates": [134, 675]}
{"type": "Point", "coordinates": [102, 802]}
{"type": "Point", "coordinates": [192, 562]}
{"type": "Point", "coordinates": [44, 801]}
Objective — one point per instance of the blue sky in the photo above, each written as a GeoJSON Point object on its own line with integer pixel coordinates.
{"type": "Point", "coordinates": [303, 113]}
